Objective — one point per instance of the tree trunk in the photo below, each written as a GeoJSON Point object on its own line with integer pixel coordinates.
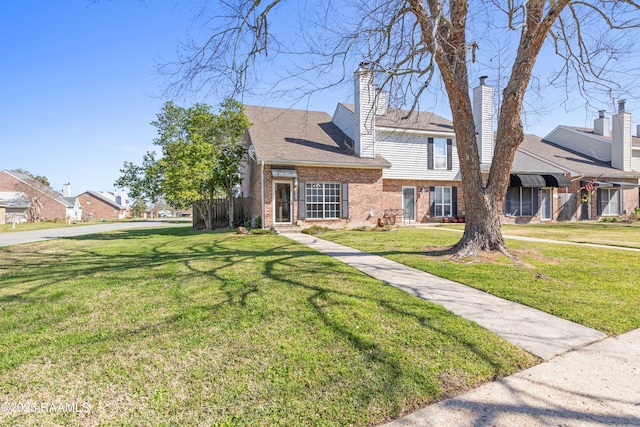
{"type": "Point", "coordinates": [205, 208]}
{"type": "Point", "coordinates": [482, 226]}
{"type": "Point", "coordinates": [230, 206]}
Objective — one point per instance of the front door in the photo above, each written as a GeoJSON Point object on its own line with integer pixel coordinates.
{"type": "Point", "coordinates": [409, 202]}
{"type": "Point", "coordinates": [585, 208]}
{"type": "Point", "coordinates": [282, 202]}
{"type": "Point", "coordinates": [545, 204]}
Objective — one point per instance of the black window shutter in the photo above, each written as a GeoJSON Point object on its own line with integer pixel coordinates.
{"type": "Point", "coordinates": [432, 200]}
{"type": "Point", "coordinates": [454, 201]}
{"type": "Point", "coordinates": [302, 200]}
{"type": "Point", "coordinates": [344, 195]}
{"type": "Point", "coordinates": [507, 202]}
{"type": "Point", "coordinates": [536, 200]}
{"type": "Point", "coordinates": [599, 201]}
{"type": "Point", "coordinates": [429, 153]}
{"type": "Point", "coordinates": [449, 154]}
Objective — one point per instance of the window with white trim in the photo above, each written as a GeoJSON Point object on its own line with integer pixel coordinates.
{"type": "Point", "coordinates": [521, 201]}
{"type": "Point", "coordinates": [323, 200]}
{"type": "Point", "coordinates": [443, 201]}
{"type": "Point", "coordinates": [609, 201]}
{"type": "Point", "coordinates": [439, 153]}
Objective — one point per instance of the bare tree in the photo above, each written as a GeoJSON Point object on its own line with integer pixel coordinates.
{"type": "Point", "coordinates": [412, 44]}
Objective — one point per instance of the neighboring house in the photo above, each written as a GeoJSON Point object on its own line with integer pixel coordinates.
{"type": "Point", "coordinates": [74, 213]}
{"type": "Point", "coordinates": [51, 204]}
{"type": "Point", "coordinates": [607, 157]}
{"type": "Point", "coordinates": [102, 205]}
{"type": "Point", "coordinates": [370, 162]}
{"type": "Point", "coordinates": [13, 207]}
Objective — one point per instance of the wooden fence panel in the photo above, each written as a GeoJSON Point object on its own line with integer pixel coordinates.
{"type": "Point", "coordinates": [241, 212]}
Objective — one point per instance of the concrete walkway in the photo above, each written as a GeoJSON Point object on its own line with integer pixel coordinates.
{"type": "Point", "coordinates": [555, 242]}
{"type": "Point", "coordinates": [587, 379]}
{"type": "Point", "coordinates": [539, 333]}
{"type": "Point", "coordinates": [598, 385]}
{"type": "Point", "coordinates": [20, 237]}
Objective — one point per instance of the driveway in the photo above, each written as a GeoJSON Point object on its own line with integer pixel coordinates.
{"type": "Point", "coordinates": [20, 237]}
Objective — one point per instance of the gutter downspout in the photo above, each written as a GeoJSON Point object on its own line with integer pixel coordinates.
{"type": "Point", "coordinates": [262, 194]}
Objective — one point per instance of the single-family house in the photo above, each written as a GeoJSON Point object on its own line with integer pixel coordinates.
{"type": "Point", "coordinates": [102, 205]}
{"type": "Point", "coordinates": [13, 207]}
{"type": "Point", "coordinates": [50, 204]}
{"type": "Point", "coordinates": [369, 162]}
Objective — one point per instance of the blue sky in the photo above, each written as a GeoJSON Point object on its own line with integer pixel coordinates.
{"type": "Point", "coordinates": [79, 87]}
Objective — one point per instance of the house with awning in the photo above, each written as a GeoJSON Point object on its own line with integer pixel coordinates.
{"type": "Point", "coordinates": [369, 162]}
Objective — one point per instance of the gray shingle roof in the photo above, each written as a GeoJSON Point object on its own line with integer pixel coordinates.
{"type": "Point", "coordinates": [418, 120]}
{"type": "Point", "coordinates": [569, 160]}
{"type": "Point", "coordinates": [289, 136]}
{"type": "Point", "coordinates": [40, 187]}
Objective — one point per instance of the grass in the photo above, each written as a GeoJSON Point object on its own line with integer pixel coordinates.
{"type": "Point", "coordinates": [627, 235]}
{"type": "Point", "coordinates": [45, 225]}
{"type": "Point", "coordinates": [598, 288]}
{"type": "Point", "coordinates": [172, 327]}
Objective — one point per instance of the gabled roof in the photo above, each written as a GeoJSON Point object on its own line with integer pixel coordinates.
{"type": "Point", "coordinates": [417, 120]}
{"type": "Point", "coordinates": [14, 199]}
{"type": "Point", "coordinates": [101, 197]}
{"type": "Point", "coordinates": [286, 136]}
{"type": "Point", "coordinates": [569, 160]}
{"type": "Point", "coordinates": [635, 140]}
{"type": "Point", "coordinates": [31, 182]}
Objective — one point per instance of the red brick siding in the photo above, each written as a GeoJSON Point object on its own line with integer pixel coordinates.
{"type": "Point", "coordinates": [365, 187]}
{"type": "Point", "coordinates": [392, 196]}
{"type": "Point", "coordinates": [51, 208]}
{"type": "Point", "coordinates": [94, 208]}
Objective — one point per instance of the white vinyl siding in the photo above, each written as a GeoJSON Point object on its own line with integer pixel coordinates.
{"type": "Point", "coordinates": [345, 120]}
{"type": "Point", "coordinates": [407, 154]}
{"type": "Point", "coordinates": [635, 159]}
{"type": "Point", "coordinates": [590, 145]}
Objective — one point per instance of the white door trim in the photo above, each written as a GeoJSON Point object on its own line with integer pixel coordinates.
{"type": "Point", "coordinates": [413, 215]}
{"type": "Point", "coordinates": [273, 201]}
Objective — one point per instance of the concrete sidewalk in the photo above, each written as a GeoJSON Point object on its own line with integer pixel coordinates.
{"type": "Point", "coordinates": [598, 385]}
{"type": "Point", "coordinates": [539, 333]}
{"type": "Point", "coordinates": [587, 380]}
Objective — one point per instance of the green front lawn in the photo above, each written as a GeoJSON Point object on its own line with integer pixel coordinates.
{"type": "Point", "coordinates": [614, 234]}
{"type": "Point", "coordinates": [172, 327]}
{"type": "Point", "coordinates": [598, 288]}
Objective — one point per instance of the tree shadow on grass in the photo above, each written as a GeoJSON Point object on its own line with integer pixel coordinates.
{"type": "Point", "coordinates": [243, 269]}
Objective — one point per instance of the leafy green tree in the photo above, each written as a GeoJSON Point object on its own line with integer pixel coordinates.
{"type": "Point", "coordinates": [202, 155]}
{"type": "Point", "coordinates": [40, 178]}
{"type": "Point", "coordinates": [139, 208]}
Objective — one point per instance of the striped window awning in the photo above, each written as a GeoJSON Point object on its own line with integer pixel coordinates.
{"type": "Point", "coordinates": [284, 173]}
{"type": "Point", "coordinates": [556, 180]}
{"type": "Point", "coordinates": [527, 180]}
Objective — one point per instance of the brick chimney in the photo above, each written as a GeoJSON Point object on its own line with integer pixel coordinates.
{"type": "Point", "coordinates": [601, 125]}
{"type": "Point", "coordinates": [66, 192]}
{"type": "Point", "coordinates": [621, 139]}
{"type": "Point", "coordinates": [483, 119]}
{"type": "Point", "coordinates": [365, 109]}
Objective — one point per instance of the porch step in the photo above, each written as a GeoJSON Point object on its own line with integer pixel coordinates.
{"type": "Point", "coordinates": [288, 229]}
